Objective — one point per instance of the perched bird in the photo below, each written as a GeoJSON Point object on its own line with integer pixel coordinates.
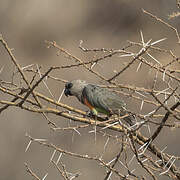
{"type": "Point", "coordinates": [98, 99]}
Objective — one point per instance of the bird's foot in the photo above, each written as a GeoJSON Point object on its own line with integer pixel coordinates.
{"type": "Point", "coordinates": [90, 114]}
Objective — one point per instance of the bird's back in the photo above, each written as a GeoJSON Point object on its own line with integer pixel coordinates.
{"type": "Point", "coordinates": [103, 98]}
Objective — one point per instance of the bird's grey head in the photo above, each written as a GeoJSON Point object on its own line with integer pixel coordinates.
{"type": "Point", "coordinates": [75, 88]}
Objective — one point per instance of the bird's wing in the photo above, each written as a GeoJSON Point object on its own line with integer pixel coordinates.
{"type": "Point", "coordinates": [103, 98]}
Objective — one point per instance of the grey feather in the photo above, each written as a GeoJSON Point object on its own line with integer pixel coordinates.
{"type": "Point", "coordinates": [100, 98]}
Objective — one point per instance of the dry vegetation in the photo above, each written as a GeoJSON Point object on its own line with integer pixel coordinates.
{"type": "Point", "coordinates": [138, 154]}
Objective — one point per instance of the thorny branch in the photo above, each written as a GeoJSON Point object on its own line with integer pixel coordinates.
{"type": "Point", "coordinates": [149, 156]}
{"type": "Point", "coordinates": [31, 172]}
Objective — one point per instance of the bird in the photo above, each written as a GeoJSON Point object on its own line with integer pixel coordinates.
{"type": "Point", "coordinates": [98, 99]}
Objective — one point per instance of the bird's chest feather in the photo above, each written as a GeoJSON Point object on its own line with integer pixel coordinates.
{"type": "Point", "coordinates": [90, 106]}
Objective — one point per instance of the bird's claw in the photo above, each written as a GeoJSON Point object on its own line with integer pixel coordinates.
{"type": "Point", "coordinates": [90, 114]}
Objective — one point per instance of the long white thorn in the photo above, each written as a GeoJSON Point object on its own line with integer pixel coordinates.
{"type": "Point", "coordinates": [158, 41]}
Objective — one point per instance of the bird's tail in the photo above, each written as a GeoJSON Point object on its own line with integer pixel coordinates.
{"type": "Point", "coordinates": [130, 120]}
{"type": "Point", "coordinates": [129, 117]}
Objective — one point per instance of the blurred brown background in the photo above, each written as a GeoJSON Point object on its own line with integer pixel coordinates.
{"type": "Point", "coordinates": [104, 23]}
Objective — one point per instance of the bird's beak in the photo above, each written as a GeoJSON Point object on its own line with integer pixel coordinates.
{"type": "Point", "coordinates": [67, 92]}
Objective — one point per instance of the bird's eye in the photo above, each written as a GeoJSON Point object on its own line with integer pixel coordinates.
{"type": "Point", "coordinates": [69, 85]}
